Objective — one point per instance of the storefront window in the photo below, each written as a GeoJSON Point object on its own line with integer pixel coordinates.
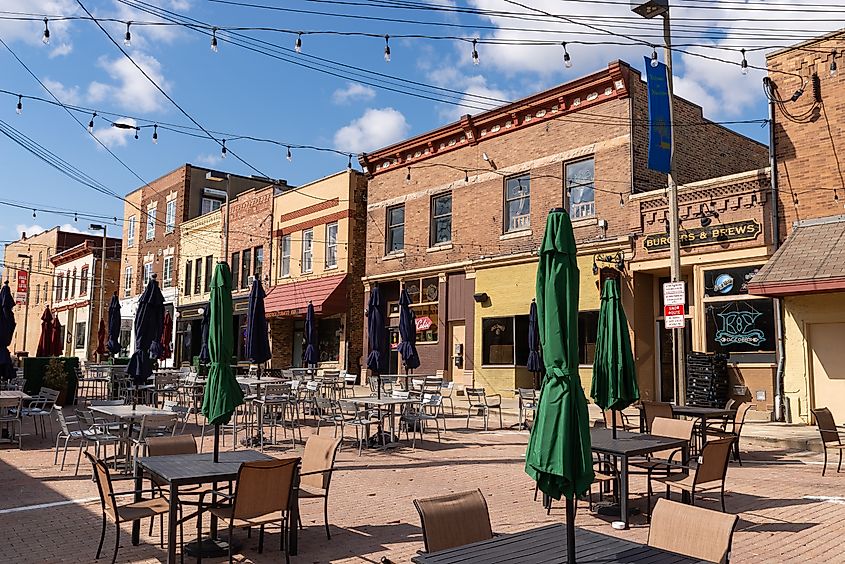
{"type": "Point", "coordinates": [504, 341]}
{"type": "Point", "coordinates": [736, 322]}
{"type": "Point", "coordinates": [588, 326]}
{"type": "Point", "coordinates": [328, 339]}
{"type": "Point", "coordinates": [427, 321]}
{"type": "Point", "coordinates": [425, 295]}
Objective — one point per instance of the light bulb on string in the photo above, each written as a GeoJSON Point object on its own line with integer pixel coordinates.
{"type": "Point", "coordinates": [214, 40]}
{"type": "Point", "coordinates": [33, 214]}
{"type": "Point", "coordinates": [155, 134]}
{"type": "Point", "coordinates": [19, 107]}
{"type": "Point", "coordinates": [223, 150]}
{"type": "Point", "coordinates": [91, 123]}
{"type": "Point", "coordinates": [835, 195]}
{"type": "Point", "coordinates": [298, 45]}
{"type": "Point", "coordinates": [466, 176]}
{"type": "Point", "coordinates": [654, 61]}
{"type": "Point", "coordinates": [45, 37]}
{"type": "Point", "coordinates": [137, 129]}
{"type": "Point", "coordinates": [475, 60]}
{"type": "Point", "coordinates": [349, 162]}
{"type": "Point", "coordinates": [743, 66]}
{"type": "Point", "coordinates": [567, 60]}
{"type": "Point", "coordinates": [408, 176]}
{"type": "Point", "coordinates": [289, 156]}
{"type": "Point", "coordinates": [833, 68]}
{"type": "Point", "coordinates": [621, 200]}
{"type": "Point", "coordinates": [386, 48]}
{"type": "Point", "coordinates": [75, 219]}
{"type": "Point", "coordinates": [127, 38]}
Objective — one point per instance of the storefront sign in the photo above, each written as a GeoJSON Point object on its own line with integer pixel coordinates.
{"type": "Point", "coordinates": [659, 118]}
{"type": "Point", "coordinates": [423, 323]}
{"type": "Point", "coordinates": [728, 281]}
{"type": "Point", "coordinates": [741, 326]}
{"type": "Point", "coordinates": [710, 235]}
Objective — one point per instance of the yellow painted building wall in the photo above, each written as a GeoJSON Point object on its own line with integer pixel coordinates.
{"type": "Point", "coordinates": [199, 237]}
{"type": "Point", "coordinates": [799, 312]}
{"type": "Point", "coordinates": [510, 289]}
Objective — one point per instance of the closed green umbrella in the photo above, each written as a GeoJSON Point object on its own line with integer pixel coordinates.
{"type": "Point", "coordinates": [222, 393]}
{"type": "Point", "coordinates": [614, 374]}
{"type": "Point", "coordinates": [558, 456]}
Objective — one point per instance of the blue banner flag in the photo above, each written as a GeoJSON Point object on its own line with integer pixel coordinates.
{"type": "Point", "coordinates": [659, 120]}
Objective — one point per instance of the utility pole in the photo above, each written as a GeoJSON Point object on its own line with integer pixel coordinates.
{"type": "Point", "coordinates": [26, 311]}
{"type": "Point", "coordinates": [98, 227]}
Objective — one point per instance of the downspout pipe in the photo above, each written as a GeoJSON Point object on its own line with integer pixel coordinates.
{"type": "Point", "coordinates": [780, 400]}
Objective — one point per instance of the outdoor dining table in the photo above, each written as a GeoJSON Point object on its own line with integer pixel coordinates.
{"type": "Point", "coordinates": [547, 545]}
{"type": "Point", "coordinates": [700, 413]}
{"type": "Point", "coordinates": [385, 402]}
{"type": "Point", "coordinates": [127, 415]}
{"type": "Point", "coordinates": [255, 382]}
{"type": "Point", "coordinates": [193, 469]}
{"type": "Point", "coordinates": [628, 445]}
{"type": "Point", "coordinates": [14, 394]}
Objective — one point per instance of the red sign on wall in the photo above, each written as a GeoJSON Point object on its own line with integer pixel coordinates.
{"type": "Point", "coordinates": [423, 323]}
{"type": "Point", "coordinates": [669, 310]}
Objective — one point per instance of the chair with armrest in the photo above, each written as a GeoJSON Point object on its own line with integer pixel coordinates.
{"type": "Point", "coordinates": [732, 430]}
{"type": "Point", "coordinates": [830, 435]}
{"type": "Point", "coordinates": [316, 473]}
{"type": "Point", "coordinates": [692, 531]}
{"type": "Point", "coordinates": [652, 409]}
{"type": "Point", "coordinates": [455, 519]}
{"type": "Point", "coordinates": [480, 401]}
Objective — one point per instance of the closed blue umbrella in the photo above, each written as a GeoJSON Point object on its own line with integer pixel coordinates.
{"type": "Point", "coordinates": [205, 357]}
{"type": "Point", "coordinates": [311, 356]}
{"type": "Point", "coordinates": [257, 339]}
{"type": "Point", "coordinates": [114, 325]}
{"type": "Point", "coordinates": [535, 357]}
{"type": "Point", "coordinates": [7, 329]}
{"type": "Point", "coordinates": [149, 322]}
{"type": "Point", "coordinates": [377, 358]}
{"type": "Point", "coordinates": [407, 333]}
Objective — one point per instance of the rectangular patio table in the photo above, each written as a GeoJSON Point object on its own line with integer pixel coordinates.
{"type": "Point", "coordinates": [628, 445]}
{"type": "Point", "coordinates": [193, 469]}
{"type": "Point", "coordinates": [389, 402]}
{"type": "Point", "coordinates": [547, 545]}
{"type": "Point", "coordinates": [14, 394]}
{"type": "Point", "coordinates": [257, 383]}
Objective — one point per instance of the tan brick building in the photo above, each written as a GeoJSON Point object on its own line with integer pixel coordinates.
{"type": "Point", "coordinates": [456, 215]}
{"type": "Point", "coordinates": [41, 247]}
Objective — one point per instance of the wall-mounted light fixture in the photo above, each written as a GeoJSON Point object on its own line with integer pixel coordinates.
{"type": "Point", "coordinates": [616, 260]}
{"type": "Point", "coordinates": [489, 161]}
{"type": "Point", "coordinates": [480, 297]}
{"type": "Point", "coordinates": [706, 215]}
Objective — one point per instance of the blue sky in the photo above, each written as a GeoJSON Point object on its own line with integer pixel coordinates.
{"type": "Point", "coordinates": [243, 92]}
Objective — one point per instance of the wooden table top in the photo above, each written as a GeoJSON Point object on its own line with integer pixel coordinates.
{"type": "Point", "coordinates": [183, 469]}
{"type": "Point", "coordinates": [547, 545]}
{"type": "Point", "coordinates": [14, 394]}
{"type": "Point", "coordinates": [631, 444]}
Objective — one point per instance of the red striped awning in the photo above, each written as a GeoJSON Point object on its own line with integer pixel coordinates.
{"type": "Point", "coordinates": [328, 294]}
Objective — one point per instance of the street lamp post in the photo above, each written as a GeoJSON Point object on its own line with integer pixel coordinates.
{"type": "Point", "coordinates": [98, 227]}
{"type": "Point", "coordinates": [28, 280]}
{"type": "Point", "coordinates": [650, 9]}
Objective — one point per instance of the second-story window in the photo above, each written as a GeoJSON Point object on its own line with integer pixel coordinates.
{"type": "Point", "coordinates": [209, 264]}
{"type": "Point", "coordinates": [395, 229]}
{"type": "Point", "coordinates": [151, 224]}
{"type": "Point", "coordinates": [285, 252]}
{"type": "Point", "coordinates": [46, 291]}
{"type": "Point", "coordinates": [441, 219]}
{"type": "Point", "coordinates": [68, 282]}
{"type": "Point", "coordinates": [188, 278]}
{"type": "Point", "coordinates": [130, 232]}
{"type": "Point", "coordinates": [198, 276]}
{"type": "Point", "coordinates": [580, 188]}
{"type": "Point", "coordinates": [518, 203]}
{"type": "Point", "coordinates": [83, 282]}
{"type": "Point", "coordinates": [257, 261]}
{"type": "Point", "coordinates": [59, 287]}
{"type": "Point", "coordinates": [167, 272]}
{"type": "Point", "coordinates": [37, 294]}
{"type": "Point", "coordinates": [170, 217]}
{"type": "Point", "coordinates": [148, 273]}
{"type": "Point", "coordinates": [331, 245]}
{"type": "Point", "coordinates": [72, 284]}
{"type": "Point", "coordinates": [235, 264]}
{"type": "Point", "coordinates": [210, 205]}
{"type": "Point", "coordinates": [246, 257]}
{"type": "Point", "coordinates": [127, 282]}
{"type": "Point", "coordinates": [307, 249]}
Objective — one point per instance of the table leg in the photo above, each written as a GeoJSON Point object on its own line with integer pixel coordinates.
{"type": "Point", "coordinates": [172, 517]}
{"type": "Point", "coordinates": [623, 493]}
{"type": "Point", "coordinates": [136, 525]}
{"type": "Point", "coordinates": [293, 522]}
{"type": "Point", "coordinates": [685, 456]}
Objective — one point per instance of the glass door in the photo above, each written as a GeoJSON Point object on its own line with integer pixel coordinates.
{"type": "Point", "coordinates": [665, 373]}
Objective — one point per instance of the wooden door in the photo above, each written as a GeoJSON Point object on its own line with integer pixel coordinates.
{"type": "Point", "coordinates": [457, 343]}
{"type": "Point", "coordinates": [827, 359]}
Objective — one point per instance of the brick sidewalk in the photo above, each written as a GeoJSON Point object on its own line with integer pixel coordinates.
{"type": "Point", "coordinates": [372, 515]}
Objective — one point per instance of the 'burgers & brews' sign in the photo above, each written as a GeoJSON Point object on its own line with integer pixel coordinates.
{"type": "Point", "coordinates": [712, 234]}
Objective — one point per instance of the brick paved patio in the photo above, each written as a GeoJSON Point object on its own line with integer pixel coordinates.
{"type": "Point", "coordinates": [372, 515]}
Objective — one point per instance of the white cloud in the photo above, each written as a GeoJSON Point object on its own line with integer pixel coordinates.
{"type": "Point", "coordinates": [30, 32]}
{"type": "Point", "coordinates": [146, 36]}
{"type": "Point", "coordinates": [115, 137]}
{"type": "Point", "coordinates": [376, 128]}
{"type": "Point", "coordinates": [62, 49]}
{"type": "Point", "coordinates": [208, 159]}
{"type": "Point", "coordinates": [70, 228]}
{"type": "Point", "coordinates": [67, 95]}
{"type": "Point", "coordinates": [478, 94]}
{"type": "Point", "coordinates": [352, 92]}
{"type": "Point", "coordinates": [30, 230]}
{"type": "Point", "coordinates": [131, 89]}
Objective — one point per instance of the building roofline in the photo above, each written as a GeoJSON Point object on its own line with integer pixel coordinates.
{"type": "Point", "coordinates": [804, 44]}
{"type": "Point", "coordinates": [310, 183]}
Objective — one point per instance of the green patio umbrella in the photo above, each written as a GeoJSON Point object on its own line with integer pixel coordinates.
{"type": "Point", "coordinates": [222, 393]}
{"type": "Point", "coordinates": [559, 455]}
{"type": "Point", "coordinates": [614, 373]}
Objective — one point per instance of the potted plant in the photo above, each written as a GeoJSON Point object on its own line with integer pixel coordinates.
{"type": "Point", "coordinates": [55, 378]}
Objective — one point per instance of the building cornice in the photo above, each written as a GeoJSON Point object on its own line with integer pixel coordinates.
{"type": "Point", "coordinates": [571, 97]}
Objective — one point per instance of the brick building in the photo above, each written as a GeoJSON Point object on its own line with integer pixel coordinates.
{"type": "Point", "coordinates": [808, 272]}
{"type": "Point", "coordinates": [318, 256]}
{"type": "Point", "coordinates": [456, 215]}
{"type": "Point", "coordinates": [151, 235]}
{"type": "Point", "coordinates": [40, 247]}
{"type": "Point", "coordinates": [76, 293]}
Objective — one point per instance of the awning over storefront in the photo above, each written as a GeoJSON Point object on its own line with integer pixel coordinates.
{"type": "Point", "coordinates": [812, 259]}
{"type": "Point", "coordinates": [328, 295]}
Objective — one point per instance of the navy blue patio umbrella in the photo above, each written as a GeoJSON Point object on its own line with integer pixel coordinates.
{"type": "Point", "coordinates": [376, 337]}
{"type": "Point", "coordinates": [149, 323]}
{"type": "Point", "coordinates": [535, 357]}
{"type": "Point", "coordinates": [407, 333]}
{"type": "Point", "coordinates": [205, 357]}
{"type": "Point", "coordinates": [257, 338]}
{"type": "Point", "coordinates": [113, 344]}
{"type": "Point", "coordinates": [311, 356]}
{"type": "Point", "coordinates": [7, 329]}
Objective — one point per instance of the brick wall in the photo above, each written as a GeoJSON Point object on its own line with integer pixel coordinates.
{"type": "Point", "coordinates": [357, 257]}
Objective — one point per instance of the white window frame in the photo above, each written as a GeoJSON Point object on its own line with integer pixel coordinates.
{"type": "Point", "coordinates": [127, 282]}
{"type": "Point", "coordinates": [214, 205]}
{"type": "Point", "coordinates": [331, 245]}
{"type": "Point", "coordinates": [148, 273]}
{"type": "Point", "coordinates": [285, 253]}
{"type": "Point", "coordinates": [308, 250]}
{"type": "Point", "coordinates": [167, 272]}
{"type": "Point", "coordinates": [170, 217]}
{"type": "Point", "coordinates": [130, 231]}
{"type": "Point", "coordinates": [151, 224]}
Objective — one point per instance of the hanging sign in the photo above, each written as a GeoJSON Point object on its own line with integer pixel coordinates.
{"type": "Point", "coordinates": [674, 298]}
{"type": "Point", "coordinates": [659, 118]}
{"type": "Point", "coordinates": [423, 323]}
{"type": "Point", "coordinates": [712, 234]}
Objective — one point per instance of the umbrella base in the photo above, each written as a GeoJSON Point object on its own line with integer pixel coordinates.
{"type": "Point", "coordinates": [612, 509]}
{"type": "Point", "coordinates": [381, 439]}
{"type": "Point", "coordinates": [211, 548]}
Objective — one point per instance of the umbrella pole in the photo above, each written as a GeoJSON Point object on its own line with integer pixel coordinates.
{"type": "Point", "coordinates": [613, 424]}
{"type": "Point", "coordinates": [570, 530]}
{"type": "Point", "coordinates": [216, 442]}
